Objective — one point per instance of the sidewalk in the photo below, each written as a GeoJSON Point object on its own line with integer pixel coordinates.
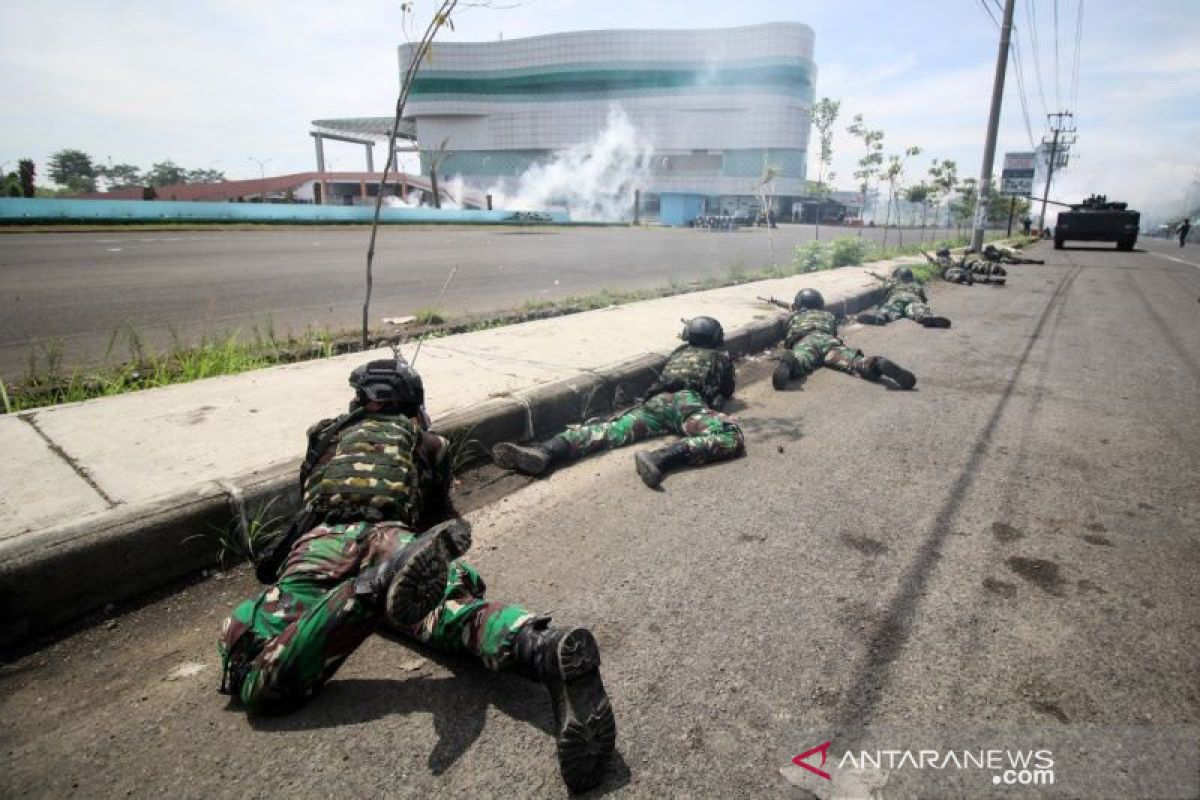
{"type": "Point", "coordinates": [109, 498]}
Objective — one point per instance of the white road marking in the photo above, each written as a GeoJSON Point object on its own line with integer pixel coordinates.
{"type": "Point", "coordinates": [1173, 258]}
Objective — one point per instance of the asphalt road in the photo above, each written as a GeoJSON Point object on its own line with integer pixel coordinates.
{"type": "Point", "coordinates": [1004, 558]}
{"type": "Point", "coordinates": [80, 288]}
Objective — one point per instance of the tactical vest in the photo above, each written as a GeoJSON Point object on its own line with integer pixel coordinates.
{"type": "Point", "coordinates": [371, 469]}
{"type": "Point", "coordinates": [694, 368]}
{"type": "Point", "coordinates": [908, 291]}
{"type": "Point", "coordinates": [802, 323]}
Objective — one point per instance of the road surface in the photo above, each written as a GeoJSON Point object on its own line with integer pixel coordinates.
{"type": "Point", "coordinates": [1004, 558]}
{"type": "Point", "coordinates": [80, 288]}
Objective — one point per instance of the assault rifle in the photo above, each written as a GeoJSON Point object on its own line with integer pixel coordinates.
{"type": "Point", "coordinates": [774, 302]}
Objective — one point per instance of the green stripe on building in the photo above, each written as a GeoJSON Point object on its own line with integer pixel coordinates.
{"type": "Point", "coordinates": [577, 83]}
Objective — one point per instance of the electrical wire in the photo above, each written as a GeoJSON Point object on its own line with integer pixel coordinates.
{"type": "Point", "coordinates": [987, 10]}
{"type": "Point", "coordinates": [1057, 81]}
{"type": "Point", "coordinates": [1031, 30]}
{"type": "Point", "coordinates": [1016, 58]}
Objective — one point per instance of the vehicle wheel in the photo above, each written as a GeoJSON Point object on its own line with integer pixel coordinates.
{"type": "Point", "coordinates": [1058, 243]}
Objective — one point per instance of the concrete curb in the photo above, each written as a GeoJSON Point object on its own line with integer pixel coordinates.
{"type": "Point", "coordinates": [81, 568]}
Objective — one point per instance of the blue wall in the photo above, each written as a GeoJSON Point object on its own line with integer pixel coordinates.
{"type": "Point", "coordinates": [21, 210]}
{"type": "Point", "coordinates": [679, 209]}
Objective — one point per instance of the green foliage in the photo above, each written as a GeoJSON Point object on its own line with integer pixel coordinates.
{"type": "Point", "coordinates": [73, 169]}
{"type": "Point", "coordinates": [166, 173]}
{"type": "Point", "coordinates": [847, 251]}
{"type": "Point", "coordinates": [27, 173]}
{"type": "Point", "coordinates": [429, 316]}
{"type": "Point", "coordinates": [120, 176]}
{"type": "Point", "coordinates": [248, 533]}
{"type": "Point", "coordinates": [811, 257]}
{"type": "Point", "coordinates": [870, 164]}
{"type": "Point", "coordinates": [463, 451]}
{"type": "Point", "coordinates": [46, 382]}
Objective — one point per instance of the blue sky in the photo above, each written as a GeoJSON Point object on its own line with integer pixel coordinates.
{"type": "Point", "coordinates": [211, 83]}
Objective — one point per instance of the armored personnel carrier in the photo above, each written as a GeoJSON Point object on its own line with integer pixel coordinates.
{"type": "Point", "coordinates": [1097, 220]}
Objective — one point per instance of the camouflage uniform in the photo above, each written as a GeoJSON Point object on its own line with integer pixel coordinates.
{"type": "Point", "coordinates": [952, 272]}
{"type": "Point", "coordinates": [905, 299]}
{"type": "Point", "coordinates": [680, 403]}
{"type": "Point", "coordinates": [812, 338]}
{"type": "Point", "coordinates": [282, 646]}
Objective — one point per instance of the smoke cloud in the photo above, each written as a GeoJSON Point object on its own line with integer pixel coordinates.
{"type": "Point", "coordinates": [593, 180]}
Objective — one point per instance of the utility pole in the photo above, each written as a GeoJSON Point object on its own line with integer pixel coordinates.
{"type": "Point", "coordinates": [989, 146]}
{"type": "Point", "coordinates": [1063, 123]}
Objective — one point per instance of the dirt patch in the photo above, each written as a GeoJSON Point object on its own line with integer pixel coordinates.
{"type": "Point", "coordinates": [1001, 588]}
{"type": "Point", "coordinates": [1005, 532]}
{"type": "Point", "coordinates": [1041, 573]}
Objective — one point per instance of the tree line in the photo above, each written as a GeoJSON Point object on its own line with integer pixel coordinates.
{"type": "Point", "coordinates": [940, 187]}
{"type": "Point", "coordinates": [79, 172]}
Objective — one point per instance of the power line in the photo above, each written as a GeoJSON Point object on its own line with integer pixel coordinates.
{"type": "Point", "coordinates": [1016, 53]}
{"type": "Point", "coordinates": [1057, 97]}
{"type": "Point", "coordinates": [1037, 59]}
{"type": "Point", "coordinates": [987, 10]}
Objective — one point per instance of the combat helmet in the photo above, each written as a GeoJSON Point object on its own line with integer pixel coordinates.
{"type": "Point", "coordinates": [390, 382]}
{"type": "Point", "coordinates": [944, 252]}
{"type": "Point", "coordinates": [808, 299]}
{"type": "Point", "coordinates": [703, 332]}
{"type": "Point", "coordinates": [902, 273]}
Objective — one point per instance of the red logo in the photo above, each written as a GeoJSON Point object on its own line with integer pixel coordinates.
{"type": "Point", "coordinates": [823, 749]}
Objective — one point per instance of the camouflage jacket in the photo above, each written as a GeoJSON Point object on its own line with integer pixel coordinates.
{"type": "Point", "coordinates": [906, 291]}
{"type": "Point", "coordinates": [802, 323]}
{"type": "Point", "coordinates": [376, 465]}
{"type": "Point", "coordinates": [703, 369]}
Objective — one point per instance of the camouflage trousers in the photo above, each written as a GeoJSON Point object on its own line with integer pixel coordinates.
{"type": "Point", "coordinates": [710, 435]}
{"type": "Point", "coordinates": [282, 646]}
{"type": "Point", "coordinates": [817, 349]}
{"type": "Point", "coordinates": [956, 275]}
{"type": "Point", "coordinates": [900, 307]}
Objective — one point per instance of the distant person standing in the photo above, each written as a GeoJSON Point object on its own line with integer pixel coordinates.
{"type": "Point", "coordinates": [1184, 228]}
{"type": "Point", "coordinates": [1027, 224]}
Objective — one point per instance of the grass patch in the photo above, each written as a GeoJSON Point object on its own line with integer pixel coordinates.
{"type": "Point", "coordinates": [429, 316]}
{"type": "Point", "coordinates": [47, 382]}
{"type": "Point", "coordinates": [247, 533]}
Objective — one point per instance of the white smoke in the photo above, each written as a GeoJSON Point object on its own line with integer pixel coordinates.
{"type": "Point", "coordinates": [593, 180]}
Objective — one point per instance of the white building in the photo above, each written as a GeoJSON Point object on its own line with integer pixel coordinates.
{"type": "Point", "coordinates": [717, 105]}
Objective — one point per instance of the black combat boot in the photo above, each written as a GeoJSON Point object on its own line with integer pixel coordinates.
{"type": "Point", "coordinates": [787, 368]}
{"type": "Point", "coordinates": [532, 459]}
{"type": "Point", "coordinates": [567, 663]}
{"type": "Point", "coordinates": [935, 322]}
{"type": "Point", "coordinates": [872, 318]}
{"type": "Point", "coordinates": [878, 366]}
{"type": "Point", "coordinates": [653, 464]}
{"type": "Point", "coordinates": [411, 583]}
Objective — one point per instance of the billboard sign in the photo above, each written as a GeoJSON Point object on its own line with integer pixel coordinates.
{"type": "Point", "coordinates": [1017, 176]}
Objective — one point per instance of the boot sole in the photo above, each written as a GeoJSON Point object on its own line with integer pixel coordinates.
{"type": "Point", "coordinates": [511, 456]}
{"type": "Point", "coordinates": [904, 378]}
{"type": "Point", "coordinates": [587, 729]}
{"type": "Point", "coordinates": [936, 322]}
{"type": "Point", "coordinates": [650, 474]}
{"type": "Point", "coordinates": [781, 375]}
{"type": "Point", "coordinates": [420, 583]}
